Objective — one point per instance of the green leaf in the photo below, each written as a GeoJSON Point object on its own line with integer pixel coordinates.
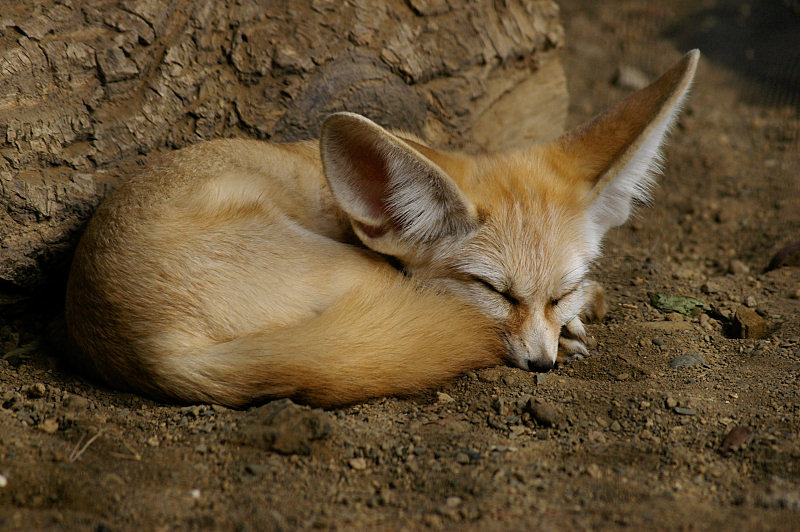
{"type": "Point", "coordinates": [688, 306]}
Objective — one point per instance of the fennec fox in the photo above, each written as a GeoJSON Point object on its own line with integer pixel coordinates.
{"type": "Point", "coordinates": [366, 264]}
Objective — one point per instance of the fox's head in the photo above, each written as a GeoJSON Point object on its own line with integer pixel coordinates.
{"type": "Point", "coordinates": [513, 233]}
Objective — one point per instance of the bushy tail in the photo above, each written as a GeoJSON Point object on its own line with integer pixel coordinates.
{"type": "Point", "coordinates": [395, 340]}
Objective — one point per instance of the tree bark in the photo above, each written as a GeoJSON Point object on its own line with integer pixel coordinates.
{"type": "Point", "coordinates": [90, 87]}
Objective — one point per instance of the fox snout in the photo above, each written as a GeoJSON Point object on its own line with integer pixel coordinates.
{"type": "Point", "coordinates": [535, 352]}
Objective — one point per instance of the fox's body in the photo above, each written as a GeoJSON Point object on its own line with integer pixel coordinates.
{"type": "Point", "coordinates": [235, 271]}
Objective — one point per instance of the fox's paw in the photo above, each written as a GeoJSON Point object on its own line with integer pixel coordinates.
{"type": "Point", "coordinates": [574, 342]}
{"type": "Point", "coordinates": [595, 307]}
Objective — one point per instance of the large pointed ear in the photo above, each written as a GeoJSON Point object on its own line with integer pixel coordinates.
{"type": "Point", "coordinates": [619, 152]}
{"type": "Point", "coordinates": [394, 195]}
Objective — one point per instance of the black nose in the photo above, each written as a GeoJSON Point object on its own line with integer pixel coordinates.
{"type": "Point", "coordinates": [540, 366]}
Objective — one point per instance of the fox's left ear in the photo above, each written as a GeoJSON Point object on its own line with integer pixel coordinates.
{"type": "Point", "coordinates": [619, 152]}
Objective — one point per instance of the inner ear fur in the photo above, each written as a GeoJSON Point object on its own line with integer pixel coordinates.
{"type": "Point", "coordinates": [389, 188]}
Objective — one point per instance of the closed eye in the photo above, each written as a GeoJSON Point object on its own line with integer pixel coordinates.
{"type": "Point", "coordinates": [489, 286]}
{"type": "Point", "coordinates": [556, 300]}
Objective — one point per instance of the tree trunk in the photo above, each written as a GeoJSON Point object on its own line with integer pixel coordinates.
{"type": "Point", "coordinates": [89, 87]}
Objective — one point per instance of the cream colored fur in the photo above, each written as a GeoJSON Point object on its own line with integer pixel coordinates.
{"type": "Point", "coordinates": [236, 271]}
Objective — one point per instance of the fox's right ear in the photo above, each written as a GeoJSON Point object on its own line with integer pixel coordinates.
{"type": "Point", "coordinates": [395, 196]}
{"type": "Point", "coordinates": [618, 153]}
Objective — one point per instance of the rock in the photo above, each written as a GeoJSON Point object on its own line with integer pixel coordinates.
{"type": "Point", "coordinates": [735, 439]}
{"type": "Point", "coordinates": [359, 464]}
{"type": "Point", "coordinates": [453, 501]}
{"type": "Point", "coordinates": [35, 391]}
{"type": "Point", "coordinates": [788, 255]}
{"type": "Point", "coordinates": [500, 406]}
{"type": "Point", "coordinates": [522, 402]}
{"type": "Point", "coordinates": [684, 411]}
{"type": "Point", "coordinates": [544, 414]}
{"type": "Point", "coordinates": [738, 267]}
{"type": "Point", "coordinates": [631, 78]}
{"type": "Point", "coordinates": [442, 397]}
{"type": "Point", "coordinates": [284, 427]}
{"type": "Point", "coordinates": [658, 342]}
{"type": "Point", "coordinates": [75, 402]}
{"type": "Point", "coordinates": [750, 302]}
{"type": "Point", "coordinates": [670, 402]}
{"type": "Point", "coordinates": [747, 323]}
{"type": "Point", "coordinates": [686, 361]}
{"type": "Point", "coordinates": [257, 470]}
{"type": "Point", "coordinates": [49, 425]}
{"type": "Point", "coordinates": [385, 497]}
{"type": "Point", "coordinates": [711, 287]}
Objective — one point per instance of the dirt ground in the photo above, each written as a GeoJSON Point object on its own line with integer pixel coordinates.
{"type": "Point", "coordinates": [672, 424]}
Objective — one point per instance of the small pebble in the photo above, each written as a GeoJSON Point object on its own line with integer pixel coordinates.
{"type": "Point", "coordinates": [35, 391]}
{"type": "Point", "coordinates": [256, 469]}
{"type": "Point", "coordinates": [686, 361]}
{"type": "Point", "coordinates": [737, 437]}
{"type": "Point", "coordinates": [359, 464]}
{"type": "Point", "coordinates": [453, 501]}
{"type": "Point", "coordinates": [623, 376]}
{"type": "Point", "coordinates": [49, 425]}
{"type": "Point", "coordinates": [750, 302]}
{"type": "Point", "coordinates": [3, 481]}
{"type": "Point", "coordinates": [195, 493]}
{"type": "Point", "coordinates": [462, 458]}
{"type": "Point", "coordinates": [522, 402]}
{"type": "Point", "coordinates": [629, 77]}
{"type": "Point", "coordinates": [738, 267]}
{"type": "Point", "coordinates": [444, 398]}
{"type": "Point", "coordinates": [75, 402]}
{"type": "Point", "coordinates": [658, 342]}
{"type": "Point", "coordinates": [500, 406]}
{"type": "Point", "coordinates": [671, 402]}
{"type": "Point", "coordinates": [685, 411]}
{"type": "Point", "coordinates": [544, 414]}
{"type": "Point", "coordinates": [710, 287]}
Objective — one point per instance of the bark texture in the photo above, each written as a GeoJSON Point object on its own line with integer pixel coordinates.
{"type": "Point", "coordinates": [89, 87]}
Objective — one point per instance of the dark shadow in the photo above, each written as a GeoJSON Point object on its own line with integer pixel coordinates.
{"type": "Point", "coordinates": [758, 39]}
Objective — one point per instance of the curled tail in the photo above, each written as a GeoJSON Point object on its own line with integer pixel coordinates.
{"type": "Point", "coordinates": [395, 340]}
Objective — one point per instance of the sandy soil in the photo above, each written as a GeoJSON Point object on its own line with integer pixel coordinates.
{"type": "Point", "coordinates": [673, 423]}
